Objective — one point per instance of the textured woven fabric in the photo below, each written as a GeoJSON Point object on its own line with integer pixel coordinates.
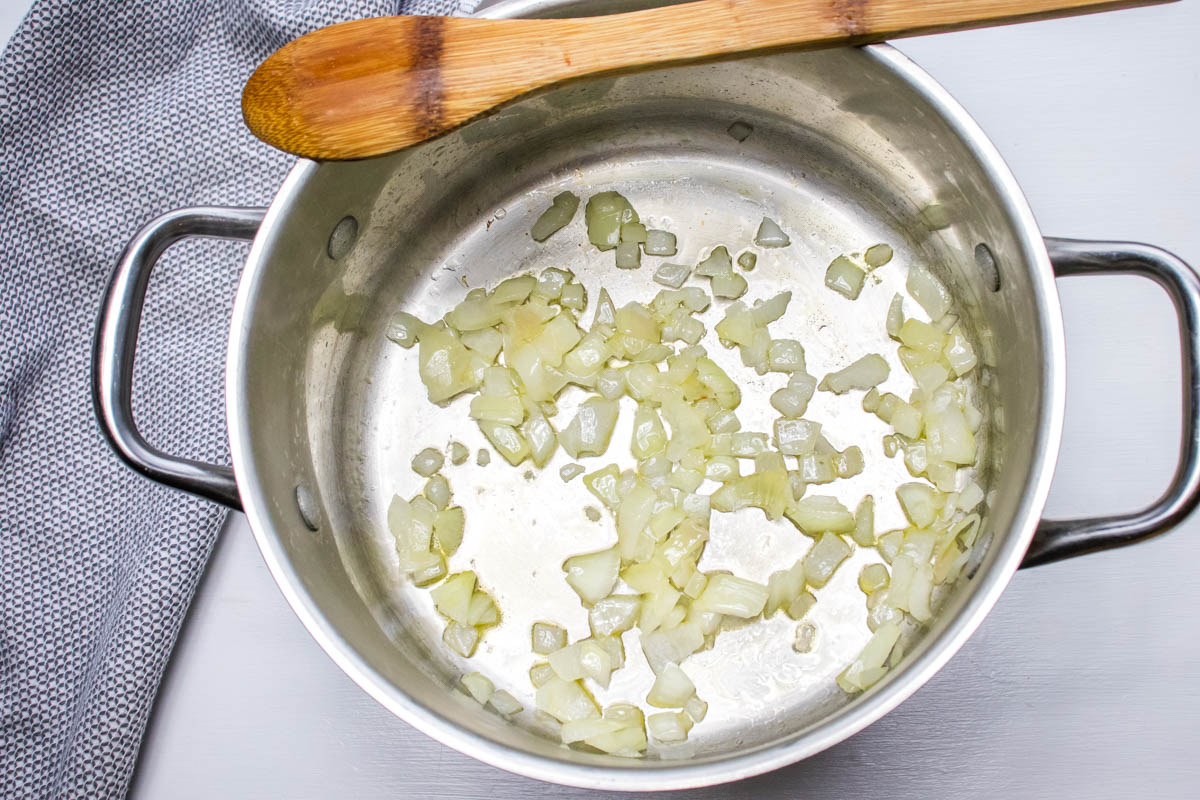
{"type": "Point", "coordinates": [111, 112]}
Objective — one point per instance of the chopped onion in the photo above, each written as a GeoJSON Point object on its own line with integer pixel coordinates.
{"type": "Point", "coordinates": [614, 614]}
{"type": "Point", "coordinates": [805, 638]}
{"type": "Point", "coordinates": [593, 575]}
{"type": "Point", "coordinates": [605, 213]}
{"type": "Point", "coordinates": [629, 255]}
{"type": "Point", "coordinates": [462, 639]}
{"type": "Point", "coordinates": [669, 726]}
{"type": "Point", "coordinates": [796, 437]}
{"type": "Point", "coordinates": [634, 232]}
{"type": "Point", "coordinates": [427, 462]}
{"type": "Point", "coordinates": [895, 316]}
{"type": "Point", "coordinates": [929, 292]}
{"type": "Point", "coordinates": [554, 218]}
{"type": "Point", "coordinates": [920, 503]}
{"type": "Point", "coordinates": [865, 373]}
{"type": "Point", "coordinates": [672, 646]}
{"type": "Point", "coordinates": [864, 522]}
{"type": "Point", "coordinates": [437, 490]}
{"type": "Point", "coordinates": [505, 704]}
{"type": "Point", "coordinates": [845, 277]}
{"type": "Point", "coordinates": [672, 275]}
{"type": "Point", "coordinates": [717, 263]}
{"type": "Point", "coordinates": [865, 670]}
{"type": "Point", "coordinates": [959, 353]}
{"type": "Point", "coordinates": [823, 559]}
{"type": "Point", "coordinates": [747, 260]}
{"type": "Point", "coordinates": [404, 329]}
{"type": "Point", "coordinates": [540, 673]}
{"type": "Point", "coordinates": [458, 453]}
{"type": "Point", "coordinates": [817, 514]}
{"type": "Point", "coordinates": [569, 472]}
{"type": "Point", "coordinates": [448, 526]}
{"type": "Point", "coordinates": [574, 296]}
{"type": "Point", "coordinates": [672, 688]}
{"type": "Point", "coordinates": [478, 686]}
{"type": "Point", "coordinates": [505, 438]}
{"type": "Point", "coordinates": [584, 659]}
{"type": "Point", "coordinates": [588, 434]}
{"type": "Point", "coordinates": [877, 255]}
{"type": "Point", "coordinates": [453, 598]}
{"type": "Point", "coordinates": [733, 596]}
{"type": "Point", "coordinates": [483, 458]}
{"type": "Point", "coordinates": [872, 578]}
{"type": "Point", "coordinates": [583, 729]}
{"type": "Point", "coordinates": [728, 285]}
{"type": "Point", "coordinates": [660, 243]}
{"type": "Point", "coordinates": [770, 234]}
{"type": "Point", "coordinates": [785, 355]}
{"type": "Point", "coordinates": [548, 637]}
{"type": "Point", "coordinates": [566, 701]}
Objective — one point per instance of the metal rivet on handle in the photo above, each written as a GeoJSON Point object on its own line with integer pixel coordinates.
{"type": "Point", "coordinates": [987, 266]}
{"type": "Point", "coordinates": [306, 504]}
{"type": "Point", "coordinates": [343, 237]}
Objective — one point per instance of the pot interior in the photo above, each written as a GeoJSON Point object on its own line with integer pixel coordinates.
{"type": "Point", "coordinates": [844, 153]}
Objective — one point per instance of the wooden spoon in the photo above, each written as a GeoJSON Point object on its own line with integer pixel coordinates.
{"type": "Point", "coordinates": [372, 86]}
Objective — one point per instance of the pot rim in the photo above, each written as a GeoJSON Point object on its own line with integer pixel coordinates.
{"type": "Point", "coordinates": [648, 776]}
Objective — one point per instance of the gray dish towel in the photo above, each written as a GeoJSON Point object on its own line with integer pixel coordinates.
{"type": "Point", "coordinates": [111, 112]}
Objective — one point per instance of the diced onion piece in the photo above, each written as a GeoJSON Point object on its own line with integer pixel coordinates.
{"type": "Point", "coordinates": [728, 285]}
{"type": "Point", "coordinates": [505, 438]}
{"type": "Point", "coordinates": [478, 686]}
{"type": "Point", "coordinates": [462, 639]}
{"type": "Point", "coordinates": [784, 586]}
{"type": "Point", "coordinates": [770, 310]}
{"type": "Point", "coordinates": [696, 709]}
{"type": "Point", "coordinates": [669, 726]}
{"type": "Point", "coordinates": [717, 263]}
{"type": "Point", "coordinates": [659, 243]}
{"type": "Point", "coordinates": [920, 503]}
{"type": "Point", "coordinates": [929, 377]}
{"type": "Point", "coordinates": [427, 462]}
{"type": "Point", "coordinates": [724, 421]}
{"type": "Point", "coordinates": [437, 490]}
{"type": "Point", "coordinates": [634, 232]}
{"type": "Point", "coordinates": [548, 637]}
{"type": "Point", "coordinates": [554, 218]}
{"type": "Point", "coordinates": [865, 373]}
{"type": "Point", "coordinates": [610, 383]}
{"type": "Point", "coordinates": [505, 704]}
{"type": "Point", "coordinates": [458, 453]}
{"type": "Point", "coordinates": [929, 292]}
{"type": "Point", "coordinates": [649, 436]}
{"type": "Point", "coordinates": [800, 605]}
{"type": "Point", "coordinates": [603, 484]}
{"type": "Point", "coordinates": [792, 400]}
{"type": "Point", "coordinates": [633, 514]}
{"type": "Point", "coordinates": [629, 255]}
{"type": "Point", "coordinates": [818, 514]}
{"type": "Point", "coordinates": [673, 275]}
{"type": "Point", "coordinates": [877, 255]}
{"type": "Point", "coordinates": [574, 296]}
{"type": "Point", "coordinates": [969, 497]}
{"type": "Point", "coordinates": [796, 437]}
{"type": "Point", "coordinates": [672, 646]}
{"type": "Point", "coordinates": [614, 614]}
{"type": "Point", "coordinates": [566, 701]}
{"type": "Point", "coordinates": [895, 316]}
{"type": "Point", "coordinates": [426, 568]}
{"type": "Point", "coordinates": [605, 213]}
{"type": "Point", "coordinates": [770, 234]}
{"type": "Point", "coordinates": [448, 525]}
{"type": "Point", "coordinates": [453, 598]}
{"type": "Point", "coordinates": [540, 673]}
{"type": "Point", "coordinates": [864, 671]}
{"type": "Point", "coordinates": [872, 578]}
{"type": "Point", "coordinates": [490, 408]}
{"type": "Point", "coordinates": [747, 260]}
{"type": "Point", "coordinates": [583, 729]}
{"type": "Point", "coordinates": [823, 559]}
{"type": "Point", "coordinates": [584, 659]}
{"type": "Point", "coordinates": [483, 457]}
{"type": "Point", "coordinates": [672, 688]}
{"type": "Point", "coordinates": [864, 522]}
{"type": "Point", "coordinates": [888, 545]}
{"type": "Point", "coordinates": [589, 433]}
{"type": "Point", "coordinates": [845, 277]}
{"type": "Point", "coordinates": [732, 596]}
{"type": "Point", "coordinates": [540, 435]}
{"type": "Point", "coordinates": [785, 355]}
{"type": "Point", "coordinates": [593, 575]}
{"type": "Point", "coordinates": [849, 462]}
{"type": "Point", "coordinates": [569, 472]}
{"type": "Point", "coordinates": [404, 329]}
{"type": "Point", "coordinates": [959, 353]}
{"type": "Point", "coordinates": [949, 437]}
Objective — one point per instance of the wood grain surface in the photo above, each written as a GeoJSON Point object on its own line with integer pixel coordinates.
{"type": "Point", "coordinates": [372, 86]}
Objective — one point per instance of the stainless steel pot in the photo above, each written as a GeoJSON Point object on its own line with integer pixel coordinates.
{"type": "Point", "coordinates": [849, 147]}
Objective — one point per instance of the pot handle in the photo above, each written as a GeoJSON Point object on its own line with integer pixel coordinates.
{"type": "Point", "coordinates": [116, 342]}
{"type": "Point", "coordinates": [1058, 539]}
